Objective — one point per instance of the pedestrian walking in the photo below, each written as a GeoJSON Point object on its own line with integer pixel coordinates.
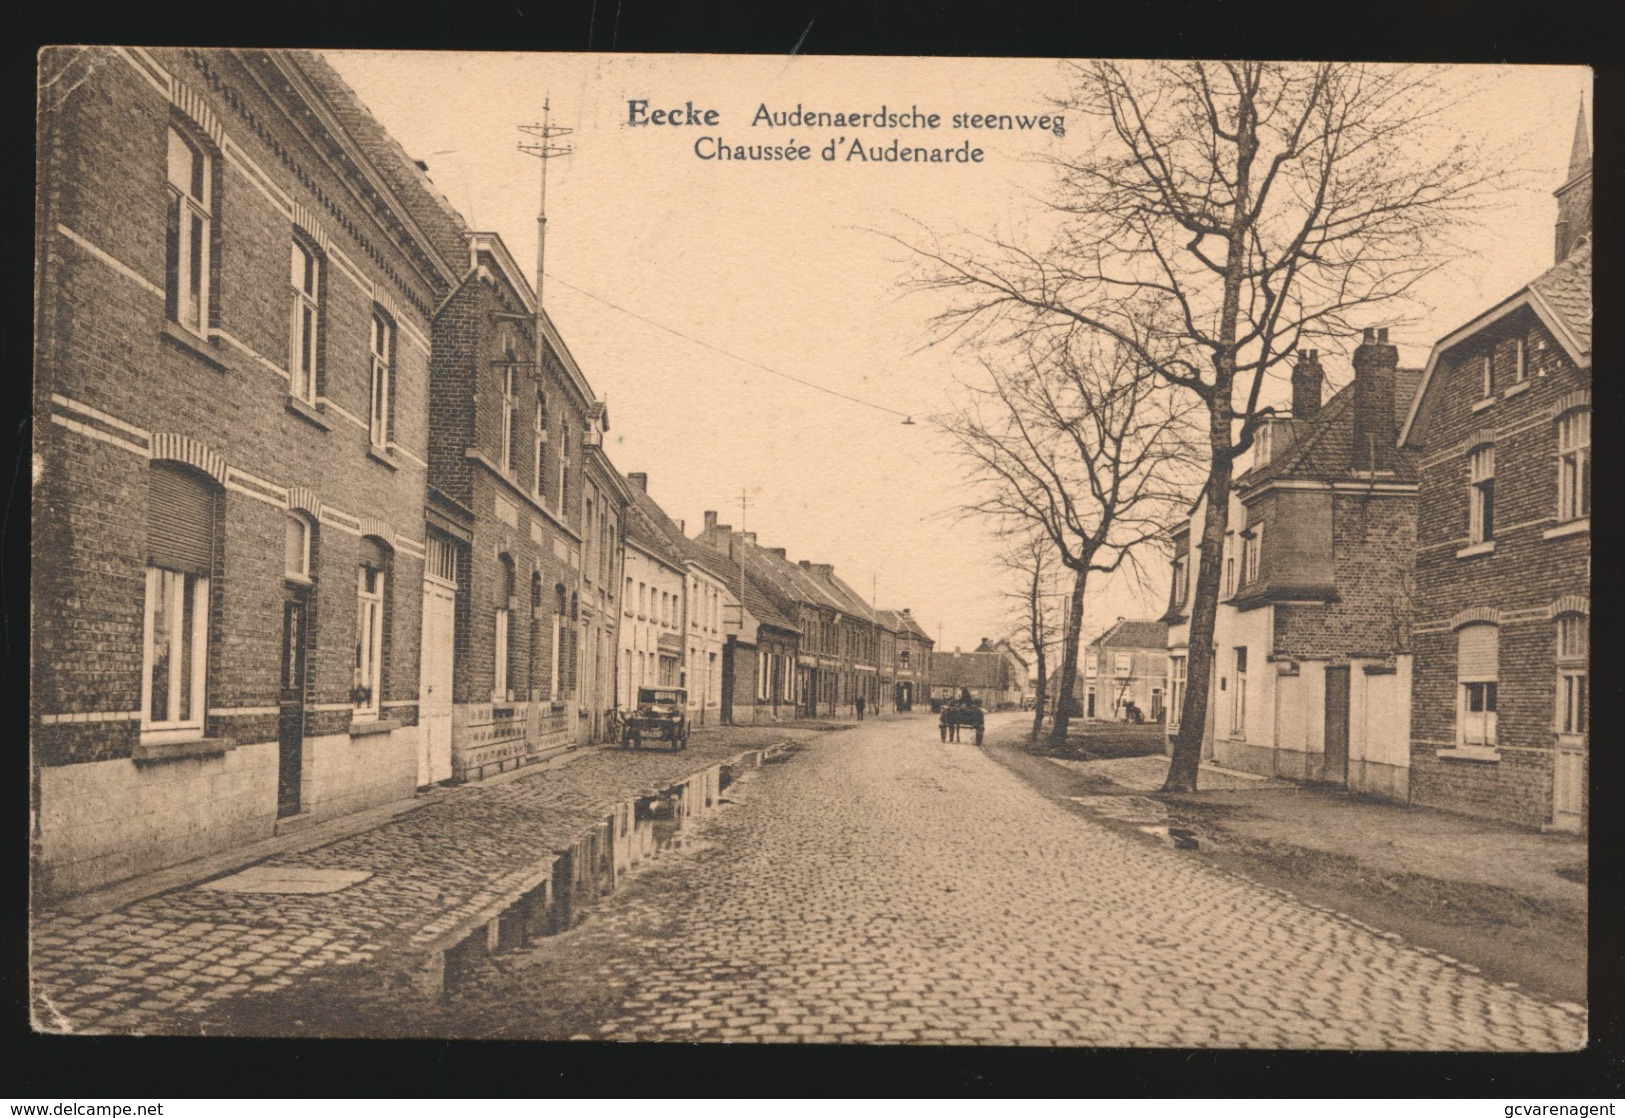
{"type": "Point", "coordinates": [860, 708]}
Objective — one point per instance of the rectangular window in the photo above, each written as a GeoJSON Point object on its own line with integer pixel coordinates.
{"type": "Point", "coordinates": [175, 650]}
{"type": "Point", "coordinates": [1229, 575]}
{"type": "Point", "coordinates": [1122, 664]}
{"type": "Point", "coordinates": [1487, 376]}
{"type": "Point", "coordinates": [1181, 581]}
{"type": "Point", "coordinates": [1478, 651]}
{"type": "Point", "coordinates": [1574, 465]}
{"type": "Point", "coordinates": [1238, 721]}
{"type": "Point", "coordinates": [1176, 689]}
{"type": "Point", "coordinates": [383, 346]}
{"type": "Point", "coordinates": [1573, 676]}
{"type": "Point", "coordinates": [191, 228]}
{"type": "Point", "coordinates": [1481, 494]}
{"type": "Point", "coordinates": [304, 336]}
{"type": "Point", "coordinates": [1251, 547]}
{"type": "Point", "coordinates": [1520, 362]}
{"type": "Point", "coordinates": [502, 691]}
{"type": "Point", "coordinates": [369, 641]}
{"type": "Point", "coordinates": [539, 444]}
{"type": "Point", "coordinates": [510, 407]}
{"type": "Point", "coordinates": [564, 466]}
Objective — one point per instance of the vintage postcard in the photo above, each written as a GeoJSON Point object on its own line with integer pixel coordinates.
{"type": "Point", "coordinates": [811, 550]}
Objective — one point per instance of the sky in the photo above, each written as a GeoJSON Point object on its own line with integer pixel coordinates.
{"type": "Point", "coordinates": [678, 282]}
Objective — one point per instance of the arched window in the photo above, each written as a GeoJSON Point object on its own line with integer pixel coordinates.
{"type": "Point", "coordinates": [372, 581]}
{"type": "Point", "coordinates": [502, 685]}
{"type": "Point", "coordinates": [533, 682]}
{"type": "Point", "coordinates": [1478, 670]}
{"type": "Point", "coordinates": [181, 527]}
{"type": "Point", "coordinates": [297, 532]}
{"type": "Point", "coordinates": [555, 682]}
{"type": "Point", "coordinates": [191, 230]}
{"type": "Point", "coordinates": [305, 325]}
{"type": "Point", "coordinates": [1573, 674]}
{"type": "Point", "coordinates": [1574, 464]}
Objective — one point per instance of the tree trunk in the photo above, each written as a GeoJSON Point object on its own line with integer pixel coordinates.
{"type": "Point", "coordinates": [1069, 658]}
{"type": "Point", "coordinates": [1187, 753]}
{"type": "Point", "coordinates": [1035, 620]}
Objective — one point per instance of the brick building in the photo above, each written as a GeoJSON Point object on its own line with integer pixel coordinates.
{"type": "Point", "coordinates": [232, 382]}
{"type": "Point", "coordinates": [911, 660]}
{"type": "Point", "coordinates": [1499, 722]}
{"type": "Point", "coordinates": [759, 656]}
{"type": "Point", "coordinates": [605, 497]}
{"type": "Point", "coordinates": [993, 674]}
{"type": "Point", "coordinates": [1312, 630]}
{"type": "Point", "coordinates": [1127, 664]}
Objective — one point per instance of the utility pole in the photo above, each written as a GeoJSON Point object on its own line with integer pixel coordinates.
{"type": "Point", "coordinates": [544, 149]}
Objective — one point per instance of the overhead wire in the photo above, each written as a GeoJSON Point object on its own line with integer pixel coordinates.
{"type": "Point", "coordinates": [907, 418]}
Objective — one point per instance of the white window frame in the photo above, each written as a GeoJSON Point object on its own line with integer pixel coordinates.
{"type": "Point", "coordinates": [1481, 494]}
{"type": "Point", "coordinates": [1252, 546]}
{"type": "Point", "coordinates": [1176, 689]}
{"type": "Point", "coordinates": [302, 570]}
{"type": "Point", "coordinates": [1238, 716]}
{"type": "Point", "coordinates": [510, 409]}
{"type": "Point", "coordinates": [1574, 464]}
{"type": "Point", "coordinates": [539, 444]}
{"type": "Point", "coordinates": [369, 640]}
{"type": "Point", "coordinates": [305, 320]}
{"type": "Point", "coordinates": [192, 215]}
{"type": "Point", "coordinates": [1182, 582]}
{"type": "Point", "coordinates": [1520, 365]}
{"type": "Point", "coordinates": [180, 589]}
{"type": "Point", "coordinates": [564, 466]}
{"type": "Point", "coordinates": [383, 383]}
{"type": "Point", "coordinates": [1477, 728]}
{"type": "Point", "coordinates": [1487, 376]}
{"type": "Point", "coordinates": [1572, 710]}
{"type": "Point", "coordinates": [502, 682]}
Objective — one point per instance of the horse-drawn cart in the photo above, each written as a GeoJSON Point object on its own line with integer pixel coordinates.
{"type": "Point", "coordinates": [961, 713]}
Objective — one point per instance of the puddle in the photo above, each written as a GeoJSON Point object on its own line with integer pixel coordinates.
{"type": "Point", "coordinates": [1181, 838]}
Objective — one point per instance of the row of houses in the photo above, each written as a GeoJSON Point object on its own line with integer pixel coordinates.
{"type": "Point", "coordinates": [1405, 607]}
{"type": "Point", "coordinates": [322, 510]}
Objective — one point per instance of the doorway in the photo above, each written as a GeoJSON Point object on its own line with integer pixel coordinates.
{"type": "Point", "coordinates": [1335, 763]}
{"type": "Point", "coordinates": [434, 683]}
{"type": "Point", "coordinates": [291, 704]}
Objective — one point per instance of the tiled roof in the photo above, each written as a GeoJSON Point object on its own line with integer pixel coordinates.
{"type": "Point", "coordinates": [438, 218]}
{"type": "Point", "coordinates": [1134, 634]}
{"type": "Point", "coordinates": [651, 529]}
{"type": "Point", "coordinates": [1566, 288]}
{"type": "Point", "coordinates": [970, 669]}
{"type": "Point", "coordinates": [899, 622]}
{"type": "Point", "coordinates": [1323, 448]}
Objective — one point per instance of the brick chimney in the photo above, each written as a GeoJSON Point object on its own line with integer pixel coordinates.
{"type": "Point", "coordinates": [710, 519]}
{"type": "Point", "coordinates": [778, 553]}
{"type": "Point", "coordinates": [1307, 378]}
{"type": "Point", "coordinates": [750, 538]}
{"type": "Point", "coordinates": [1375, 431]}
{"type": "Point", "coordinates": [639, 480]}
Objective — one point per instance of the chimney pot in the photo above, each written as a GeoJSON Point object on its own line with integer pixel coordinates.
{"type": "Point", "coordinates": [1375, 430]}
{"type": "Point", "coordinates": [641, 480]}
{"type": "Point", "coordinates": [1307, 378]}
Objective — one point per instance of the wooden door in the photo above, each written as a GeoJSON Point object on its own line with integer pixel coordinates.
{"type": "Point", "coordinates": [291, 723]}
{"type": "Point", "coordinates": [1335, 763]}
{"type": "Point", "coordinates": [434, 683]}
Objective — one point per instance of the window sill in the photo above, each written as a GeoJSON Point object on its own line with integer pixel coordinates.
{"type": "Point", "coordinates": [374, 726]}
{"type": "Point", "coordinates": [1516, 390]}
{"type": "Point", "coordinates": [176, 750]}
{"type": "Point", "coordinates": [307, 411]}
{"type": "Point", "coordinates": [1482, 404]}
{"type": "Point", "coordinates": [1481, 753]}
{"type": "Point", "coordinates": [382, 457]}
{"type": "Point", "coordinates": [1485, 548]}
{"type": "Point", "coordinates": [304, 582]}
{"type": "Point", "coordinates": [1572, 528]}
{"type": "Point", "coordinates": [193, 343]}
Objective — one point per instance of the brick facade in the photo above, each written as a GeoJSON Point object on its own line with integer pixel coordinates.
{"type": "Point", "coordinates": [122, 385]}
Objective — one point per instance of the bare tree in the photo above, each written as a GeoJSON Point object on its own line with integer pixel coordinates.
{"type": "Point", "coordinates": [1036, 600]}
{"type": "Point", "coordinates": [1079, 441]}
{"type": "Point", "coordinates": [1227, 213]}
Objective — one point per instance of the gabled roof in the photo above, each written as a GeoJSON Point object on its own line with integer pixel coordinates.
{"type": "Point", "coordinates": [1323, 445]}
{"type": "Point", "coordinates": [648, 527]}
{"type": "Point", "coordinates": [1560, 297]}
{"type": "Point", "coordinates": [970, 669]}
{"type": "Point", "coordinates": [1134, 634]}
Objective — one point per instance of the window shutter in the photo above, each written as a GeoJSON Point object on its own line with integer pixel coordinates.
{"type": "Point", "coordinates": [1478, 650]}
{"type": "Point", "coordinates": [180, 521]}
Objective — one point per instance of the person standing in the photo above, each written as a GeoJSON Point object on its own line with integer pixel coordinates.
{"type": "Point", "coordinates": [860, 708]}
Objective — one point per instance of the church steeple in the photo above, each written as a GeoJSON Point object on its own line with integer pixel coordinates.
{"type": "Point", "coordinates": [1574, 196]}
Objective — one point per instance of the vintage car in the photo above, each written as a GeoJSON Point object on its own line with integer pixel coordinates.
{"type": "Point", "coordinates": [662, 715]}
{"type": "Point", "coordinates": [958, 713]}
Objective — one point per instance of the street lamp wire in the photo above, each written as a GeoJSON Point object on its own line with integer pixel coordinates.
{"type": "Point", "coordinates": [908, 420]}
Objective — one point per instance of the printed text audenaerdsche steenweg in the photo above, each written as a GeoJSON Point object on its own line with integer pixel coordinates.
{"type": "Point", "coordinates": [641, 112]}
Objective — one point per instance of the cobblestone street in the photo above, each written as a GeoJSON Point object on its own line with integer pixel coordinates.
{"type": "Point", "coordinates": [884, 887]}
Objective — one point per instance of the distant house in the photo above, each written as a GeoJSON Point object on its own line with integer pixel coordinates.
{"type": "Point", "coordinates": [1499, 722]}
{"type": "Point", "coordinates": [1125, 669]}
{"type": "Point", "coordinates": [994, 674]}
{"type": "Point", "coordinates": [911, 661]}
{"type": "Point", "coordinates": [1311, 672]}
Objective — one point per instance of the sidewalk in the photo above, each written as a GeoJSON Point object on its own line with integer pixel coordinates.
{"type": "Point", "coordinates": [1510, 900]}
{"type": "Point", "coordinates": [154, 964]}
